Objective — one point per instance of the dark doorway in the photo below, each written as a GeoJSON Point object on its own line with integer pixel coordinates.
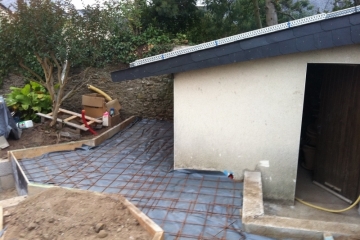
{"type": "Point", "coordinates": [330, 134]}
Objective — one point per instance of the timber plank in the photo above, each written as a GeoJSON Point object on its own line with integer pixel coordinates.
{"type": "Point", "coordinates": [38, 151]}
{"type": "Point", "coordinates": [70, 118]}
{"type": "Point", "coordinates": [151, 227]}
{"type": "Point", "coordinates": [112, 131]}
{"type": "Point", "coordinates": [79, 115]}
{"type": "Point", "coordinates": [61, 121]}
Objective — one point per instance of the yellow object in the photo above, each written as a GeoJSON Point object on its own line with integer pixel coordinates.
{"type": "Point", "coordinates": [329, 210]}
{"type": "Point", "coordinates": [95, 89]}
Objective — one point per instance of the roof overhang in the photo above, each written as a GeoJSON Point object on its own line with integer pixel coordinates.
{"type": "Point", "coordinates": [313, 33]}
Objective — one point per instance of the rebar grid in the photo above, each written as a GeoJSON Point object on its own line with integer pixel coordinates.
{"type": "Point", "coordinates": [136, 163]}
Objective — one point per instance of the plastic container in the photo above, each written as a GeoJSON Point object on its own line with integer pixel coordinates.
{"type": "Point", "coordinates": [112, 112]}
{"type": "Point", "coordinates": [105, 119]}
{"type": "Point", "coordinates": [25, 124]}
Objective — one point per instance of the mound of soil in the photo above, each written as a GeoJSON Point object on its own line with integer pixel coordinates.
{"type": "Point", "coordinates": [59, 213]}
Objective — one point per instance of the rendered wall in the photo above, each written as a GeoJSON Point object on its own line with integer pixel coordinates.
{"type": "Point", "coordinates": [247, 116]}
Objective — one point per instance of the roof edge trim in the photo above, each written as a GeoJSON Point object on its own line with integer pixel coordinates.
{"type": "Point", "coordinates": [246, 35]}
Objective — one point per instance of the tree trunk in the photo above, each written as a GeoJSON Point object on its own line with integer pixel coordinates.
{"type": "Point", "coordinates": [55, 109]}
{"type": "Point", "coordinates": [357, 2]}
{"type": "Point", "coordinates": [257, 13]}
{"type": "Point", "coordinates": [56, 104]}
{"type": "Point", "coordinates": [271, 16]}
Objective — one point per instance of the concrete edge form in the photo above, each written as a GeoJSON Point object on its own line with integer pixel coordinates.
{"type": "Point", "coordinates": [256, 222]}
{"type": "Point", "coordinates": [151, 227]}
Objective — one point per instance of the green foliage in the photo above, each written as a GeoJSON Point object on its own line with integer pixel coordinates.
{"type": "Point", "coordinates": [290, 10]}
{"type": "Point", "coordinates": [29, 100]}
{"type": "Point", "coordinates": [172, 16]}
{"type": "Point", "coordinates": [223, 18]}
{"type": "Point", "coordinates": [127, 47]}
{"type": "Point", "coordinates": [342, 4]}
{"type": "Point", "coordinates": [31, 61]}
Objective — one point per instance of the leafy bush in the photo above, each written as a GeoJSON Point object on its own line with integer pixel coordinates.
{"type": "Point", "coordinates": [29, 100]}
{"type": "Point", "coordinates": [125, 47]}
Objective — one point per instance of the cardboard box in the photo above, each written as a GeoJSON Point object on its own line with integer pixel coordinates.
{"type": "Point", "coordinates": [94, 105]}
{"type": "Point", "coordinates": [114, 120]}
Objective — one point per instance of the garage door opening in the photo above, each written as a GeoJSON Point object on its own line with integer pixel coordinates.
{"type": "Point", "coordinates": [330, 136]}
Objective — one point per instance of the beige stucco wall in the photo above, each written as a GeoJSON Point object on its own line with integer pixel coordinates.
{"type": "Point", "coordinates": [247, 116]}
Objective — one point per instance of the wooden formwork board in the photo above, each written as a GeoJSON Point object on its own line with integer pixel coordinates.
{"type": "Point", "coordinates": [38, 151]}
{"type": "Point", "coordinates": [151, 227]}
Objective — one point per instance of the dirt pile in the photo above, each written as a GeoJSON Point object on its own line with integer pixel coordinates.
{"type": "Point", "coordinates": [58, 213]}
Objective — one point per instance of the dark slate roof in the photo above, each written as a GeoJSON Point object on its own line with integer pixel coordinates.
{"type": "Point", "coordinates": [325, 33]}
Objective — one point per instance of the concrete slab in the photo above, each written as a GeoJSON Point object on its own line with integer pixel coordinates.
{"type": "Point", "coordinates": [257, 222]}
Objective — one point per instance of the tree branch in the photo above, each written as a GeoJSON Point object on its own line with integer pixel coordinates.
{"type": "Point", "coordinates": [77, 86]}
{"type": "Point", "coordinates": [66, 70]}
{"type": "Point", "coordinates": [31, 71]}
{"type": "Point", "coordinates": [58, 65]}
{"type": "Point", "coordinates": [286, 14]}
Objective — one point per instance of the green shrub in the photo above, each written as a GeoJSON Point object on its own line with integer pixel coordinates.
{"type": "Point", "coordinates": [29, 100]}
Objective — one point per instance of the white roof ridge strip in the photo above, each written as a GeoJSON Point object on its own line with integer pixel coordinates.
{"type": "Point", "coordinates": [246, 35]}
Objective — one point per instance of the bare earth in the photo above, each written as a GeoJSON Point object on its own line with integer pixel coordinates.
{"type": "Point", "coordinates": [41, 135]}
{"type": "Point", "coordinates": [58, 213]}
